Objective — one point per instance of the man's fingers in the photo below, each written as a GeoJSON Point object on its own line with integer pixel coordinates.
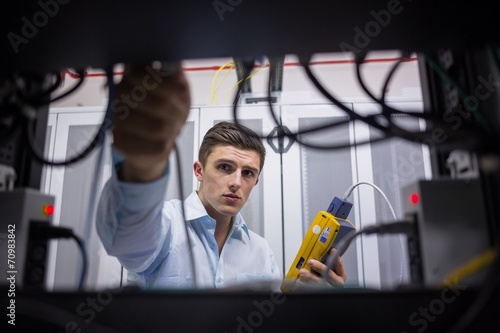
{"type": "Point", "coordinates": [151, 107]}
{"type": "Point", "coordinates": [308, 276]}
{"type": "Point", "coordinates": [336, 276]}
{"type": "Point", "coordinates": [317, 266]}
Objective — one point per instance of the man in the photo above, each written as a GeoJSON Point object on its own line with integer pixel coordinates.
{"type": "Point", "coordinates": [153, 238]}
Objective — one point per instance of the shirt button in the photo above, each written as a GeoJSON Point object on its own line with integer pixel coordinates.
{"type": "Point", "coordinates": [219, 280]}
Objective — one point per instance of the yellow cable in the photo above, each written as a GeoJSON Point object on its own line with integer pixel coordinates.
{"type": "Point", "coordinates": [237, 83]}
{"type": "Point", "coordinates": [223, 79]}
{"type": "Point", "coordinates": [470, 267]}
{"type": "Point", "coordinates": [213, 100]}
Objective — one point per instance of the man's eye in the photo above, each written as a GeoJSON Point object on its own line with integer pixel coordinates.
{"type": "Point", "coordinates": [224, 166]}
{"type": "Point", "coordinates": [248, 173]}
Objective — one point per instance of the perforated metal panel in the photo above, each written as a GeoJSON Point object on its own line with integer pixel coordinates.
{"type": "Point", "coordinates": [396, 163]}
{"type": "Point", "coordinates": [325, 174]}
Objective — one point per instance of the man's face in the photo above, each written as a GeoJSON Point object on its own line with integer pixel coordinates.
{"type": "Point", "coordinates": [226, 180]}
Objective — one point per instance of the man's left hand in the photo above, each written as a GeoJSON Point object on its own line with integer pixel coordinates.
{"type": "Point", "coordinates": [336, 277]}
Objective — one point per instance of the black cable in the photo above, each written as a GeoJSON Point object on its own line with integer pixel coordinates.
{"type": "Point", "coordinates": [269, 100]}
{"type": "Point", "coordinates": [97, 140]}
{"type": "Point", "coordinates": [248, 67]}
{"type": "Point", "coordinates": [186, 227]}
{"type": "Point", "coordinates": [385, 88]}
{"type": "Point", "coordinates": [121, 276]}
{"type": "Point", "coordinates": [278, 122]}
{"type": "Point", "coordinates": [11, 130]}
{"type": "Point", "coordinates": [388, 111]}
{"type": "Point", "coordinates": [337, 146]}
{"type": "Point", "coordinates": [355, 116]}
{"type": "Point", "coordinates": [44, 231]}
{"type": "Point", "coordinates": [83, 274]}
{"type": "Point", "coordinates": [359, 60]}
{"type": "Point", "coordinates": [14, 90]}
{"type": "Point", "coordinates": [43, 98]}
{"type": "Point", "coordinates": [467, 138]}
{"type": "Point", "coordinates": [20, 96]}
{"type": "Point", "coordinates": [408, 227]}
{"type": "Point", "coordinates": [387, 131]}
{"type": "Point", "coordinates": [81, 79]}
{"type": "Point", "coordinates": [330, 125]}
{"type": "Point", "coordinates": [404, 226]}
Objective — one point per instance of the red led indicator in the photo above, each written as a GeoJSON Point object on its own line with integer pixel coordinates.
{"type": "Point", "coordinates": [48, 210]}
{"type": "Point", "coordinates": [414, 198]}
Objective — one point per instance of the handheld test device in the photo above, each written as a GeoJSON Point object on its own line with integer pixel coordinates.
{"type": "Point", "coordinates": [324, 233]}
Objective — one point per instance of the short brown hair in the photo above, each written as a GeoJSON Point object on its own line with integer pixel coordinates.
{"type": "Point", "coordinates": [227, 133]}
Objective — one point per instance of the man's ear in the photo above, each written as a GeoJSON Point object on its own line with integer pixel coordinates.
{"type": "Point", "coordinates": [198, 170]}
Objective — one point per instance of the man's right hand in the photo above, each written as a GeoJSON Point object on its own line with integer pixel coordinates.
{"type": "Point", "coordinates": [152, 109]}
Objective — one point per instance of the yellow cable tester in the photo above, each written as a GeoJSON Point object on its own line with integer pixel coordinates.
{"type": "Point", "coordinates": [324, 233]}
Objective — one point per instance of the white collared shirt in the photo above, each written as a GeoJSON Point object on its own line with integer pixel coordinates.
{"type": "Point", "coordinates": [148, 236]}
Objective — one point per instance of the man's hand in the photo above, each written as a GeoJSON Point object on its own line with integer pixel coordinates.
{"type": "Point", "coordinates": [154, 105]}
{"type": "Point", "coordinates": [336, 277]}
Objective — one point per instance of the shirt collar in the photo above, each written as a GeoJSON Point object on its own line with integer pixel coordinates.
{"type": "Point", "coordinates": [195, 210]}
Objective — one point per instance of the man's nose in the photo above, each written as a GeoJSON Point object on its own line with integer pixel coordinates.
{"type": "Point", "coordinates": [235, 181]}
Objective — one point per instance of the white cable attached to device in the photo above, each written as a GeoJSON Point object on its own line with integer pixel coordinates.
{"type": "Point", "coordinates": [393, 213]}
{"type": "Point", "coordinates": [350, 189]}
